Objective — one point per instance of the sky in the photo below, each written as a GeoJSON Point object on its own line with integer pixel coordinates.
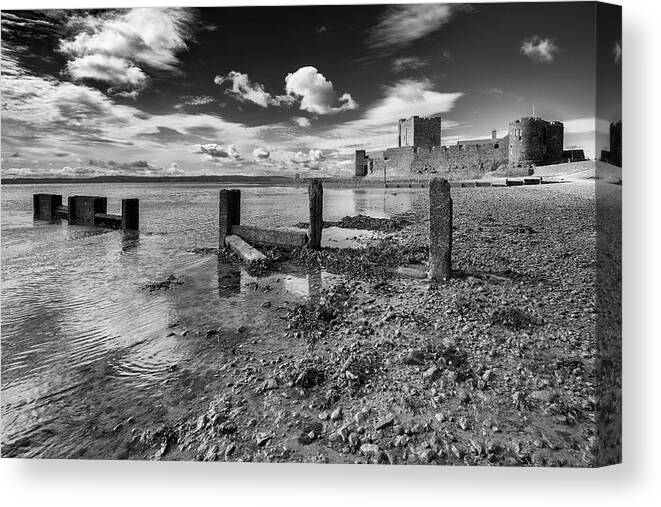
{"type": "Point", "coordinates": [290, 90]}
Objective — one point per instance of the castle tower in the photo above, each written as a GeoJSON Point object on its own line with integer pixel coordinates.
{"type": "Point", "coordinates": [361, 163]}
{"type": "Point", "coordinates": [419, 132]}
{"type": "Point", "coordinates": [535, 141]}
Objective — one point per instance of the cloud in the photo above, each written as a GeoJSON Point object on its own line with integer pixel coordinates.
{"type": "Point", "coordinates": [306, 87]}
{"type": "Point", "coordinates": [109, 69]}
{"type": "Point", "coordinates": [493, 91]}
{"type": "Point", "coordinates": [195, 100]}
{"type": "Point", "coordinates": [617, 52]}
{"type": "Point", "coordinates": [539, 49]}
{"type": "Point", "coordinates": [586, 125]}
{"type": "Point", "coordinates": [245, 90]}
{"type": "Point", "coordinates": [301, 121]}
{"type": "Point", "coordinates": [216, 151]}
{"type": "Point", "coordinates": [401, 25]}
{"type": "Point", "coordinates": [116, 47]}
{"type": "Point", "coordinates": [316, 93]}
{"type": "Point", "coordinates": [408, 63]}
{"type": "Point", "coordinates": [409, 97]}
{"type": "Point", "coordinates": [260, 153]}
{"type": "Point", "coordinates": [311, 159]}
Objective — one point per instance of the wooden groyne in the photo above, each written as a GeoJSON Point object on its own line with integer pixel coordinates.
{"type": "Point", "coordinates": [86, 210]}
{"type": "Point", "coordinates": [242, 239]}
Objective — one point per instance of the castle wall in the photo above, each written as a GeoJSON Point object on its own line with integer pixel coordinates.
{"type": "Point", "coordinates": [361, 163]}
{"type": "Point", "coordinates": [453, 162]}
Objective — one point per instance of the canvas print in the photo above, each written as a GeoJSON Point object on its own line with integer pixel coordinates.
{"type": "Point", "coordinates": [385, 234]}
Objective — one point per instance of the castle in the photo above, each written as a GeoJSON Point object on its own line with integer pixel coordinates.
{"type": "Point", "coordinates": [529, 142]}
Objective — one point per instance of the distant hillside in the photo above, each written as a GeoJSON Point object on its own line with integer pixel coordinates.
{"type": "Point", "coordinates": [246, 180]}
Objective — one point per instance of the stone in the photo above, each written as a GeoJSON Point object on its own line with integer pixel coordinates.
{"type": "Point", "coordinates": [361, 416]}
{"type": "Point", "coordinates": [336, 414]}
{"type": "Point", "coordinates": [262, 439]}
{"type": "Point", "coordinates": [370, 450]}
{"type": "Point", "coordinates": [201, 422]}
{"type": "Point", "coordinates": [440, 230]}
{"type": "Point", "coordinates": [427, 455]}
{"type": "Point", "coordinates": [385, 422]}
{"type": "Point", "coordinates": [401, 441]}
{"type": "Point", "coordinates": [354, 439]}
{"type": "Point", "coordinates": [433, 373]}
{"type": "Point", "coordinates": [544, 396]}
{"type": "Point", "coordinates": [414, 358]}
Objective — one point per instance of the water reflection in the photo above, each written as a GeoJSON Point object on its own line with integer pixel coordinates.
{"type": "Point", "coordinates": [234, 280]}
{"type": "Point", "coordinates": [130, 240]}
{"type": "Point", "coordinates": [229, 280]}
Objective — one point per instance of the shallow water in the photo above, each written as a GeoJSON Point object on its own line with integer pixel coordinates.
{"type": "Point", "coordinates": [84, 345]}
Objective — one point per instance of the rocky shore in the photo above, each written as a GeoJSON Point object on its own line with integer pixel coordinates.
{"type": "Point", "coordinates": [494, 367]}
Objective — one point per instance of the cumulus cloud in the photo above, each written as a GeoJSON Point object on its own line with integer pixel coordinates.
{"type": "Point", "coordinates": [110, 69]}
{"type": "Point", "coordinates": [216, 151]}
{"type": "Point", "coordinates": [245, 90]}
{"type": "Point", "coordinates": [301, 121]}
{"type": "Point", "coordinates": [617, 52]}
{"type": "Point", "coordinates": [401, 25]}
{"type": "Point", "coordinates": [116, 47]}
{"type": "Point", "coordinates": [312, 159]}
{"type": "Point", "coordinates": [409, 97]}
{"type": "Point", "coordinates": [306, 87]}
{"type": "Point", "coordinates": [408, 63]}
{"type": "Point", "coordinates": [539, 49]}
{"type": "Point", "coordinates": [316, 93]}
{"type": "Point", "coordinates": [260, 153]}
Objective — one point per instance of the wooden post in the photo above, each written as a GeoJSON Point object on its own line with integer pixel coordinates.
{"type": "Point", "coordinates": [235, 205]}
{"type": "Point", "coordinates": [440, 229]}
{"type": "Point", "coordinates": [71, 201]}
{"type": "Point", "coordinates": [316, 195]}
{"type": "Point", "coordinates": [131, 214]}
{"type": "Point", "coordinates": [44, 206]}
{"type": "Point", "coordinates": [229, 214]}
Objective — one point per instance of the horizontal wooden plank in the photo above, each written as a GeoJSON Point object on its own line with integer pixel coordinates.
{"type": "Point", "coordinates": [273, 237]}
{"type": "Point", "coordinates": [248, 254]}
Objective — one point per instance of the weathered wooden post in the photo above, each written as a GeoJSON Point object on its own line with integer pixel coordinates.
{"type": "Point", "coordinates": [131, 214]}
{"type": "Point", "coordinates": [71, 209]}
{"type": "Point", "coordinates": [440, 229]}
{"type": "Point", "coordinates": [229, 214]}
{"type": "Point", "coordinates": [45, 206]}
{"type": "Point", "coordinates": [316, 195]}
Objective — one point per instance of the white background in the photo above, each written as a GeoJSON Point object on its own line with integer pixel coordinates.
{"type": "Point", "coordinates": [636, 482]}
